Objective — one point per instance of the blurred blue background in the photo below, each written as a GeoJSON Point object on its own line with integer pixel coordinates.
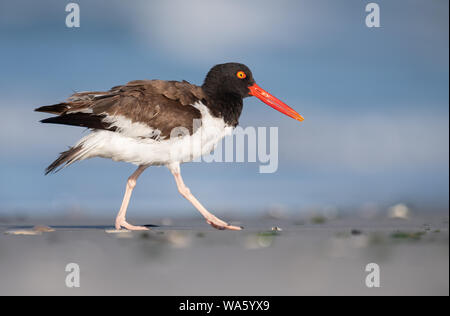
{"type": "Point", "coordinates": [375, 101]}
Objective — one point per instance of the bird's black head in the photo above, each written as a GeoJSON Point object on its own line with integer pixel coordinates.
{"type": "Point", "coordinates": [230, 79]}
{"type": "Point", "coordinates": [227, 84]}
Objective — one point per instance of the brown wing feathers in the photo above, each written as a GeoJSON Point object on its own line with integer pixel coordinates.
{"type": "Point", "coordinates": [162, 105]}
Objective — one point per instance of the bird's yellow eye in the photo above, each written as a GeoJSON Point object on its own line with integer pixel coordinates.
{"type": "Point", "coordinates": [241, 75]}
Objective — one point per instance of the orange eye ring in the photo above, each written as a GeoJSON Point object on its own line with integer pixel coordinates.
{"type": "Point", "coordinates": [241, 75]}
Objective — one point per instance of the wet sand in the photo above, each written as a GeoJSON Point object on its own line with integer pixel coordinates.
{"type": "Point", "coordinates": [309, 256]}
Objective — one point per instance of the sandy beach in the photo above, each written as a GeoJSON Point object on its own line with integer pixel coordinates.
{"type": "Point", "coordinates": [304, 256]}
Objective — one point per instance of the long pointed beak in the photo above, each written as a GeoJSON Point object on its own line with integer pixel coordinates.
{"type": "Point", "coordinates": [270, 100]}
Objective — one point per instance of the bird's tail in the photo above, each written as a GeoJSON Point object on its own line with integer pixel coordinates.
{"type": "Point", "coordinates": [85, 148]}
{"type": "Point", "coordinates": [65, 158]}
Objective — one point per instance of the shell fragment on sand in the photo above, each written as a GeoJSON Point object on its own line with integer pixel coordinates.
{"type": "Point", "coordinates": [36, 230]}
{"type": "Point", "coordinates": [28, 232]}
{"type": "Point", "coordinates": [43, 229]}
{"type": "Point", "coordinates": [117, 231]}
{"type": "Point", "coordinates": [277, 229]}
{"type": "Point", "coordinates": [120, 233]}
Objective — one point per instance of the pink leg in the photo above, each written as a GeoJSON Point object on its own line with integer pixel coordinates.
{"type": "Point", "coordinates": [184, 190]}
{"type": "Point", "coordinates": [120, 219]}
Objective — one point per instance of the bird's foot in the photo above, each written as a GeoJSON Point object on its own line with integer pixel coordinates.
{"type": "Point", "coordinates": [220, 224]}
{"type": "Point", "coordinates": [124, 224]}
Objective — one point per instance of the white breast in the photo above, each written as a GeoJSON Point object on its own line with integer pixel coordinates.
{"type": "Point", "coordinates": [140, 151]}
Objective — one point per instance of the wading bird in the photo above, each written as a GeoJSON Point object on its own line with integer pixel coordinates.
{"type": "Point", "coordinates": [154, 122]}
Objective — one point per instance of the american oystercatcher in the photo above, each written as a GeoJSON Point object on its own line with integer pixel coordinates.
{"type": "Point", "coordinates": [155, 122]}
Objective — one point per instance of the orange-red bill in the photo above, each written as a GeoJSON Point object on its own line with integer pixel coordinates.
{"type": "Point", "coordinates": [277, 104]}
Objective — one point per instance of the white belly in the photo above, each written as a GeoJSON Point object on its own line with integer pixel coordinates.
{"type": "Point", "coordinates": [138, 151]}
